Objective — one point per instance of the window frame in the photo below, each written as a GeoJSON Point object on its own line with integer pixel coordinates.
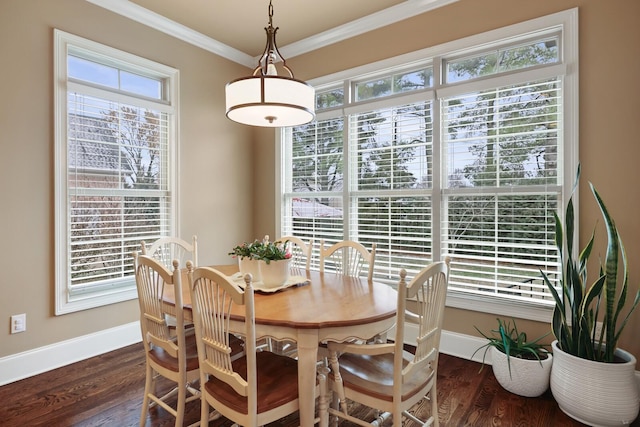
{"type": "Point", "coordinates": [122, 289]}
{"type": "Point", "coordinates": [564, 23]}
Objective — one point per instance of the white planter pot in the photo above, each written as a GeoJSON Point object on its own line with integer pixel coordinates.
{"type": "Point", "coordinates": [528, 378]}
{"type": "Point", "coordinates": [595, 393]}
{"type": "Point", "coordinates": [274, 274]}
{"type": "Point", "coordinates": [251, 266]}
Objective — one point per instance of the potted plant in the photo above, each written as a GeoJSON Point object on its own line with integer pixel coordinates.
{"type": "Point", "coordinates": [274, 260]}
{"type": "Point", "coordinates": [520, 366]}
{"type": "Point", "coordinates": [247, 253]}
{"type": "Point", "coordinates": [268, 262]}
{"type": "Point", "coordinates": [592, 379]}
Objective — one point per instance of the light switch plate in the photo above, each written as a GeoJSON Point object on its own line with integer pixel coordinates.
{"type": "Point", "coordinates": [18, 323]}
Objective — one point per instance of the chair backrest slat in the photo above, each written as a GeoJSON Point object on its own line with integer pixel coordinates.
{"type": "Point", "coordinates": [167, 249]}
{"type": "Point", "coordinates": [213, 297]}
{"type": "Point", "coordinates": [348, 257]}
{"type": "Point", "coordinates": [301, 252]}
{"type": "Point", "coordinates": [153, 279]}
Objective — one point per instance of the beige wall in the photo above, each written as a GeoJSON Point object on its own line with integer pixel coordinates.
{"type": "Point", "coordinates": [215, 159]}
{"type": "Point", "coordinates": [609, 89]}
{"type": "Point", "coordinates": [227, 173]}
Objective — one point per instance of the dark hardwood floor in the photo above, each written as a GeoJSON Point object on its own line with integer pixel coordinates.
{"type": "Point", "coordinates": [107, 391]}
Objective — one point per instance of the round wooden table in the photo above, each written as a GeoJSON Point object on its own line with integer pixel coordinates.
{"type": "Point", "coordinates": [331, 307]}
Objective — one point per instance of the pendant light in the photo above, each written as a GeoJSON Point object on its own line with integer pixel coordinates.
{"type": "Point", "coordinates": [266, 98]}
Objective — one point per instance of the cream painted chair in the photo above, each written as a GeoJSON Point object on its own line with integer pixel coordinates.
{"type": "Point", "coordinates": [385, 376]}
{"type": "Point", "coordinates": [171, 353]}
{"type": "Point", "coordinates": [301, 251]}
{"type": "Point", "coordinates": [255, 389]}
{"type": "Point", "coordinates": [166, 249]}
{"type": "Point", "coordinates": [348, 257]}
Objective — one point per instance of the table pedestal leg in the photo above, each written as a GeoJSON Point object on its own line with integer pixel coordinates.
{"type": "Point", "coordinates": [307, 358]}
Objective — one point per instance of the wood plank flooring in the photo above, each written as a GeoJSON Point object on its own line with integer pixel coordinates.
{"type": "Point", "coordinates": [107, 391]}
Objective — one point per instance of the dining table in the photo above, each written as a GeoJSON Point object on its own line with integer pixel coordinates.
{"type": "Point", "coordinates": [315, 307]}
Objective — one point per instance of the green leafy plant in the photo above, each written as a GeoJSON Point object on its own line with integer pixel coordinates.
{"type": "Point", "coordinates": [513, 343]}
{"type": "Point", "coordinates": [577, 307]}
{"type": "Point", "coordinates": [264, 250]}
{"type": "Point", "coordinates": [246, 250]}
{"type": "Point", "coordinates": [273, 251]}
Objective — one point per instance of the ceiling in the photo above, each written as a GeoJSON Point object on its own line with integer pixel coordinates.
{"type": "Point", "coordinates": [235, 28]}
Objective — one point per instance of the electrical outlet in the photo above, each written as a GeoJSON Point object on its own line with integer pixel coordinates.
{"type": "Point", "coordinates": [18, 323]}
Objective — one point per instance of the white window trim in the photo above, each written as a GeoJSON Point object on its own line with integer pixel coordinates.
{"type": "Point", "coordinates": [88, 298]}
{"type": "Point", "coordinates": [567, 23]}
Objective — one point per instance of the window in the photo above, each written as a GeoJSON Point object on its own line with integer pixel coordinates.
{"type": "Point", "coordinates": [115, 168]}
{"type": "Point", "coordinates": [462, 150]}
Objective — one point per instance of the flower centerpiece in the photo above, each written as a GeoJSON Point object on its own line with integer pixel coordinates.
{"type": "Point", "coordinates": [246, 253]}
{"type": "Point", "coordinates": [272, 251]}
{"type": "Point", "coordinates": [266, 261]}
{"type": "Point", "coordinates": [274, 261]}
{"type": "Point", "coordinates": [245, 250]}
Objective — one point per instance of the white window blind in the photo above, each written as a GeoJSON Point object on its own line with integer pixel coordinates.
{"type": "Point", "coordinates": [391, 185]}
{"type": "Point", "coordinates": [117, 187]}
{"type": "Point", "coordinates": [503, 185]}
{"type": "Point", "coordinates": [115, 171]}
{"type": "Point", "coordinates": [469, 158]}
{"type": "Point", "coordinates": [313, 204]}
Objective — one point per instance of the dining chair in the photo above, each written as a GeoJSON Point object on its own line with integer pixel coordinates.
{"type": "Point", "coordinates": [166, 249]}
{"type": "Point", "coordinates": [348, 257]}
{"type": "Point", "coordinates": [385, 376]}
{"type": "Point", "coordinates": [301, 251]}
{"type": "Point", "coordinates": [255, 389]}
{"type": "Point", "coordinates": [170, 353]}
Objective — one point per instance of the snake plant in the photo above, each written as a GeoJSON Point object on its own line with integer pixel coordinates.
{"type": "Point", "coordinates": [578, 305]}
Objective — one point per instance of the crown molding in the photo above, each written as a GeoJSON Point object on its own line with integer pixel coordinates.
{"type": "Point", "coordinates": [371, 22]}
{"type": "Point", "coordinates": [146, 17]}
{"type": "Point", "coordinates": [388, 16]}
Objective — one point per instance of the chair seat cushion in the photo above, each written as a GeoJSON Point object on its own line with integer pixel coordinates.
{"type": "Point", "coordinates": [373, 375]}
{"type": "Point", "coordinates": [277, 383]}
{"type": "Point", "coordinates": [162, 358]}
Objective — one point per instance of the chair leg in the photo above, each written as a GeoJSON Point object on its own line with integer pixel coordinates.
{"type": "Point", "coordinates": [433, 396]}
{"type": "Point", "coordinates": [335, 367]}
{"type": "Point", "coordinates": [182, 399]}
{"type": "Point", "coordinates": [204, 410]}
{"type": "Point", "coordinates": [148, 383]}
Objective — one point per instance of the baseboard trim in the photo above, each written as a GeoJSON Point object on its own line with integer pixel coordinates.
{"type": "Point", "coordinates": [32, 362]}
{"type": "Point", "coordinates": [462, 346]}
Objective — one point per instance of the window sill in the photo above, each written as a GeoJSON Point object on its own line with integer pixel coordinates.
{"type": "Point", "coordinates": [68, 304]}
{"type": "Point", "coordinates": [501, 307]}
